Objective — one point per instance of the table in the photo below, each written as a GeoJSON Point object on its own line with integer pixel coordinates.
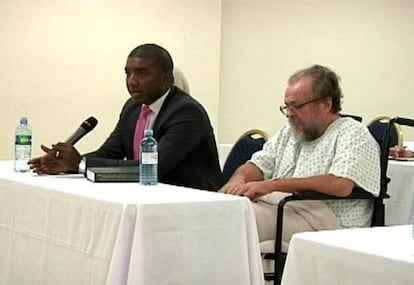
{"type": "Point", "coordinates": [399, 208]}
{"type": "Point", "coordinates": [369, 256]}
{"type": "Point", "coordinates": [66, 230]}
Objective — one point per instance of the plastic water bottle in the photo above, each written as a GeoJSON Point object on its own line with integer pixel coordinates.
{"type": "Point", "coordinates": [22, 146]}
{"type": "Point", "coordinates": [412, 229]}
{"type": "Point", "coordinates": [412, 222]}
{"type": "Point", "coordinates": [148, 167]}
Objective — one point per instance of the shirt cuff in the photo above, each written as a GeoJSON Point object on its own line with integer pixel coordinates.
{"type": "Point", "coordinates": [82, 166]}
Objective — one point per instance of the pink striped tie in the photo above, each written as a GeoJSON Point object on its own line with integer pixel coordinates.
{"type": "Point", "coordinates": [139, 129]}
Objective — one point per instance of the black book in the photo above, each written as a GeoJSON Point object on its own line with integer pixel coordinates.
{"type": "Point", "coordinates": [113, 174]}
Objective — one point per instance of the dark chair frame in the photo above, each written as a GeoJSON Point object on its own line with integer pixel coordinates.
{"type": "Point", "coordinates": [378, 216]}
{"type": "Point", "coordinates": [356, 118]}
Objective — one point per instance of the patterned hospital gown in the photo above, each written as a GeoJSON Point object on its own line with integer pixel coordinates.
{"type": "Point", "coordinates": [346, 149]}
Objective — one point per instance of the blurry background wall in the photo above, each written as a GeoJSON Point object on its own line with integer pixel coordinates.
{"type": "Point", "coordinates": [369, 43]}
{"type": "Point", "coordinates": [62, 60]}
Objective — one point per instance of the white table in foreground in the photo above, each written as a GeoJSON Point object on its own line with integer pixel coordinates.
{"type": "Point", "coordinates": [399, 208]}
{"type": "Point", "coordinates": [368, 256]}
{"type": "Point", "coordinates": [66, 230]}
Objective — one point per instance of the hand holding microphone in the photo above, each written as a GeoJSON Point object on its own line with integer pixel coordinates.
{"type": "Point", "coordinates": [62, 157]}
{"type": "Point", "coordinates": [86, 126]}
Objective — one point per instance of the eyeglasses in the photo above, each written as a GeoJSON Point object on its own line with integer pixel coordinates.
{"type": "Point", "coordinates": [293, 108]}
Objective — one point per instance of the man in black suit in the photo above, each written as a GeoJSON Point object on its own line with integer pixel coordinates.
{"type": "Point", "coordinates": [187, 149]}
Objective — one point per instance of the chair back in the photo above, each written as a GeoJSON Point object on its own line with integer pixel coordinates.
{"type": "Point", "coordinates": [356, 118]}
{"type": "Point", "coordinates": [378, 126]}
{"type": "Point", "coordinates": [391, 127]}
{"type": "Point", "coordinates": [248, 143]}
{"type": "Point", "coordinates": [385, 133]}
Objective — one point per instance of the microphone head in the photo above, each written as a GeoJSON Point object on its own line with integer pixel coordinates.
{"type": "Point", "coordinates": [89, 124]}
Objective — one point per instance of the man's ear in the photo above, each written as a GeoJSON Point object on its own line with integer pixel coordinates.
{"type": "Point", "coordinates": [328, 104]}
{"type": "Point", "coordinates": [167, 79]}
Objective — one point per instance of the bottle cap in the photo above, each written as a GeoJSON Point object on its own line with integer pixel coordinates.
{"type": "Point", "coordinates": [148, 132]}
{"type": "Point", "coordinates": [23, 120]}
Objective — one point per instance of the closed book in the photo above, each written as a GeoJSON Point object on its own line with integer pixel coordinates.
{"type": "Point", "coordinates": [113, 174]}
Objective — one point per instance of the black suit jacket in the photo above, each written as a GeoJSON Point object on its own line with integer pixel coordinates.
{"type": "Point", "coordinates": [187, 150]}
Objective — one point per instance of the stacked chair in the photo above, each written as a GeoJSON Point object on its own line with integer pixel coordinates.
{"type": "Point", "coordinates": [377, 127]}
{"type": "Point", "coordinates": [248, 143]}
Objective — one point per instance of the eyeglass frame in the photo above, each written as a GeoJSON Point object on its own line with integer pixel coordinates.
{"type": "Point", "coordinates": [285, 108]}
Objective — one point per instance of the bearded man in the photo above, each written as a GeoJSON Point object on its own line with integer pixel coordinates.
{"type": "Point", "coordinates": [317, 150]}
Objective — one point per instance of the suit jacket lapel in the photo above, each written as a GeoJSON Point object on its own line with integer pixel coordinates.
{"type": "Point", "coordinates": [164, 110]}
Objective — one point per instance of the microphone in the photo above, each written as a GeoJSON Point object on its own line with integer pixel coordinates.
{"type": "Point", "coordinates": [404, 121]}
{"type": "Point", "coordinates": [84, 128]}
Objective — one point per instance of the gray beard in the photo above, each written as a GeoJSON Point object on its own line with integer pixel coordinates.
{"type": "Point", "coordinates": [306, 135]}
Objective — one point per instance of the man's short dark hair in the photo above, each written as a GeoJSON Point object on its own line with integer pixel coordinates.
{"type": "Point", "coordinates": [325, 84]}
{"type": "Point", "coordinates": [156, 53]}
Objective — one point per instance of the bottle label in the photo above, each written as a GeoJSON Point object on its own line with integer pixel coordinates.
{"type": "Point", "coordinates": [24, 139]}
{"type": "Point", "coordinates": [149, 157]}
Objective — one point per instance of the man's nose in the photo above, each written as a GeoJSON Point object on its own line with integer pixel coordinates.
{"type": "Point", "coordinates": [289, 113]}
{"type": "Point", "coordinates": [133, 80]}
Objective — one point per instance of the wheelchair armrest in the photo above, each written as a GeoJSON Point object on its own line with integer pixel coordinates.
{"type": "Point", "coordinates": [357, 193]}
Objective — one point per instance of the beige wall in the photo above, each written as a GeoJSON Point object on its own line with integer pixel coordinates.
{"type": "Point", "coordinates": [369, 43]}
{"type": "Point", "coordinates": [62, 60]}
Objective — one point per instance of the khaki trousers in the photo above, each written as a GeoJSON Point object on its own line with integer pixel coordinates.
{"type": "Point", "coordinates": [299, 216]}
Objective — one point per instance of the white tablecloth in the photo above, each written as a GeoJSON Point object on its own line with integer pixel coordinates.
{"type": "Point", "coordinates": [399, 208]}
{"type": "Point", "coordinates": [66, 230]}
{"type": "Point", "coordinates": [369, 256]}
